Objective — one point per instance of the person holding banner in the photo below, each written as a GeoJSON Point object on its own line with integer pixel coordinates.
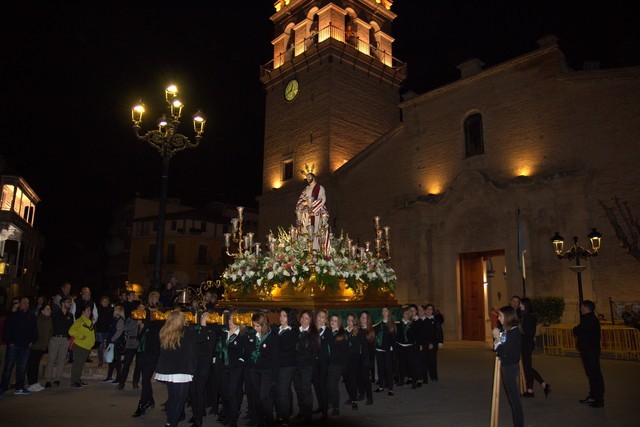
{"type": "Point", "coordinates": [508, 344]}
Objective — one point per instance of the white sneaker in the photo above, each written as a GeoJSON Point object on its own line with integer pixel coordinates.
{"type": "Point", "coordinates": [35, 387]}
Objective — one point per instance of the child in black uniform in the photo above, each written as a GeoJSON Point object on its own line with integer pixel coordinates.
{"type": "Point", "coordinates": [508, 344]}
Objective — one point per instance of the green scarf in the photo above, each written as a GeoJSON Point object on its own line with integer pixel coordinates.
{"type": "Point", "coordinates": [255, 354]}
{"type": "Point", "coordinates": [222, 347]}
{"type": "Point", "coordinates": [405, 328]}
{"type": "Point", "coordinates": [380, 334]}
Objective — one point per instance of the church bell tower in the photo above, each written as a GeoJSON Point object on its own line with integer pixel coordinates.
{"type": "Point", "coordinates": [332, 88]}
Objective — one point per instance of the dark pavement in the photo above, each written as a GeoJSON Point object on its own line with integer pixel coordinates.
{"type": "Point", "coordinates": [462, 397]}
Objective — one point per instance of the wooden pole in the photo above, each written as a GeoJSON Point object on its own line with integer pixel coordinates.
{"type": "Point", "coordinates": [495, 396]}
{"type": "Point", "coordinates": [522, 381]}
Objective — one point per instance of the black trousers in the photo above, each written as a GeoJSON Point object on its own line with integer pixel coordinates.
{"type": "Point", "coordinates": [591, 362]}
{"type": "Point", "coordinates": [262, 381]}
{"type": "Point", "coordinates": [302, 377]}
{"type": "Point", "coordinates": [510, 374]}
{"type": "Point", "coordinates": [334, 372]}
{"type": "Point", "coordinates": [116, 365]}
{"type": "Point", "coordinates": [231, 390]}
{"type": "Point", "coordinates": [384, 359]}
{"type": "Point", "coordinates": [527, 366]}
{"type": "Point", "coordinates": [364, 381]}
{"type": "Point", "coordinates": [320, 385]}
{"type": "Point", "coordinates": [284, 396]}
{"type": "Point", "coordinates": [351, 377]}
{"type": "Point", "coordinates": [432, 362]}
{"type": "Point", "coordinates": [33, 366]}
{"type": "Point", "coordinates": [197, 395]}
{"type": "Point", "coordinates": [213, 387]}
{"type": "Point", "coordinates": [248, 391]}
{"type": "Point", "coordinates": [147, 362]}
{"type": "Point", "coordinates": [407, 359]}
{"type": "Point", "coordinates": [177, 396]}
{"type": "Point", "coordinates": [129, 354]}
{"type": "Point", "coordinates": [137, 371]}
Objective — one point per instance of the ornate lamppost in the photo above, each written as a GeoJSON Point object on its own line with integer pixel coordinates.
{"type": "Point", "coordinates": [577, 252]}
{"type": "Point", "coordinates": [167, 141]}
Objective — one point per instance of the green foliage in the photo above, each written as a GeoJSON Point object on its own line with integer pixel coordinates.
{"type": "Point", "coordinates": [548, 310]}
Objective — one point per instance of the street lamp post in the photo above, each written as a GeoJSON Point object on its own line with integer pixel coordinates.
{"type": "Point", "coordinates": [577, 252]}
{"type": "Point", "coordinates": [167, 141]}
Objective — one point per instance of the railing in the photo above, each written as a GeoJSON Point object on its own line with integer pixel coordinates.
{"type": "Point", "coordinates": [620, 342]}
{"type": "Point", "coordinates": [349, 38]}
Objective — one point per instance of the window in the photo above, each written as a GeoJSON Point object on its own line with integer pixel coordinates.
{"type": "Point", "coordinates": [174, 225]}
{"type": "Point", "coordinates": [171, 253]}
{"type": "Point", "coordinates": [473, 138]}
{"type": "Point", "coordinates": [7, 197]}
{"type": "Point", "coordinates": [202, 254]}
{"type": "Point", "coordinates": [152, 254]}
{"type": "Point", "coordinates": [287, 170]}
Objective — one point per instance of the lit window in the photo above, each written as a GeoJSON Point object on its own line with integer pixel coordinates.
{"type": "Point", "coordinates": [7, 197]}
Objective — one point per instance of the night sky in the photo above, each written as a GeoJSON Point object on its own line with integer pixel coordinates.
{"type": "Point", "coordinates": [72, 75]}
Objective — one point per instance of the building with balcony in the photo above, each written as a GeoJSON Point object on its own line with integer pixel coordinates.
{"type": "Point", "coordinates": [193, 250]}
{"type": "Point", "coordinates": [20, 242]}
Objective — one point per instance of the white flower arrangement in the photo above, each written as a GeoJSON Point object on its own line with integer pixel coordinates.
{"type": "Point", "coordinates": [289, 263]}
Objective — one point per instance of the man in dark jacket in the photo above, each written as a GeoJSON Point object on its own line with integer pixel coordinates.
{"type": "Point", "coordinates": [20, 332]}
{"type": "Point", "coordinates": [588, 340]}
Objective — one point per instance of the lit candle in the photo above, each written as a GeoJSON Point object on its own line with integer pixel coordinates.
{"type": "Point", "coordinates": [272, 247]}
{"type": "Point", "coordinates": [367, 245]}
{"type": "Point", "coordinates": [246, 243]}
{"type": "Point", "coordinates": [349, 243]}
{"type": "Point", "coordinates": [353, 251]}
{"type": "Point", "coordinates": [376, 221]}
{"type": "Point", "coordinates": [227, 239]}
{"type": "Point", "coordinates": [257, 249]}
{"type": "Point", "coordinates": [386, 232]}
{"type": "Point", "coordinates": [292, 232]}
{"type": "Point", "coordinates": [378, 244]}
{"type": "Point", "coordinates": [240, 210]}
{"type": "Point", "coordinates": [363, 253]}
{"type": "Point", "coordinates": [250, 236]}
{"type": "Point", "coordinates": [234, 224]}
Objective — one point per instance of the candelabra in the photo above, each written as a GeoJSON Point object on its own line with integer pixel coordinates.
{"type": "Point", "coordinates": [577, 252]}
{"type": "Point", "coordinates": [184, 296]}
{"type": "Point", "coordinates": [245, 242]}
{"type": "Point", "coordinates": [168, 142]}
{"type": "Point", "coordinates": [382, 245]}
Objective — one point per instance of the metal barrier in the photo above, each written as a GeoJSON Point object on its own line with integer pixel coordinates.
{"type": "Point", "coordinates": [619, 342]}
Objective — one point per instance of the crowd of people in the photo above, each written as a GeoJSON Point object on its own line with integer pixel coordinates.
{"type": "Point", "coordinates": [212, 368]}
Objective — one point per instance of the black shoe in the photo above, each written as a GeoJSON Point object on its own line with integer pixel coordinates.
{"type": "Point", "coordinates": [390, 393]}
{"type": "Point", "coordinates": [597, 404]}
{"type": "Point", "coordinates": [378, 390]}
{"type": "Point", "coordinates": [335, 412]}
{"type": "Point", "coordinates": [221, 419]}
{"type": "Point", "coordinates": [354, 406]}
{"type": "Point", "coordinates": [56, 383]}
{"type": "Point", "coordinates": [407, 382]}
{"type": "Point", "coordinates": [139, 411]}
{"type": "Point", "coordinates": [107, 380]}
{"type": "Point", "coordinates": [414, 387]}
{"type": "Point", "coordinates": [419, 384]}
{"type": "Point", "coordinates": [369, 402]}
{"type": "Point", "coordinates": [547, 390]}
{"type": "Point", "coordinates": [76, 385]}
{"type": "Point", "coordinates": [150, 404]}
{"type": "Point", "coordinates": [587, 400]}
{"type": "Point", "coordinates": [528, 394]}
{"type": "Point", "coordinates": [47, 385]}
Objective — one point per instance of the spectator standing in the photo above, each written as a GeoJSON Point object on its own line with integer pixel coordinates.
{"type": "Point", "coordinates": [61, 321]}
{"type": "Point", "coordinates": [169, 292]}
{"type": "Point", "coordinates": [65, 292]}
{"type": "Point", "coordinates": [84, 336]}
{"type": "Point", "coordinates": [131, 329]}
{"type": "Point", "coordinates": [86, 301]}
{"type": "Point", "coordinates": [20, 333]}
{"type": "Point", "coordinates": [118, 339]}
{"type": "Point", "coordinates": [45, 330]}
{"type": "Point", "coordinates": [588, 341]}
{"type": "Point", "coordinates": [103, 327]}
{"type": "Point", "coordinates": [129, 305]}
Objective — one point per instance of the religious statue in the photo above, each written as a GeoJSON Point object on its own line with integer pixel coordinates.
{"type": "Point", "coordinates": [312, 216]}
